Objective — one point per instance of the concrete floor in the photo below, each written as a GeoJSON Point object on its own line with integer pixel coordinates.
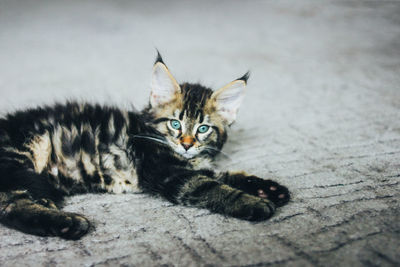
{"type": "Point", "coordinates": [321, 115]}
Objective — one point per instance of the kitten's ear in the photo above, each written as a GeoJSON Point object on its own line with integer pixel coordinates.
{"type": "Point", "coordinates": [228, 98]}
{"type": "Point", "coordinates": [163, 85]}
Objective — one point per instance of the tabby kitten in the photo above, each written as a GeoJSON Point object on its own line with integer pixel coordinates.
{"type": "Point", "coordinates": [56, 151]}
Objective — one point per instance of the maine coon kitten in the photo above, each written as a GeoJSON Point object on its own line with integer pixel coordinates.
{"type": "Point", "coordinates": [51, 152]}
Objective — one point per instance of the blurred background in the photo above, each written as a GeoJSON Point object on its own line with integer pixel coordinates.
{"type": "Point", "coordinates": [321, 115]}
{"type": "Point", "coordinates": [104, 50]}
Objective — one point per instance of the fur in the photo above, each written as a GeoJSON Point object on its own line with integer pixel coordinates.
{"type": "Point", "coordinates": [51, 152]}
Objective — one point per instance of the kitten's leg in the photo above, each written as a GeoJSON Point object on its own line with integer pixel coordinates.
{"type": "Point", "coordinates": [256, 186]}
{"type": "Point", "coordinates": [208, 193]}
{"type": "Point", "coordinates": [201, 189]}
{"type": "Point", "coordinates": [162, 173]}
{"type": "Point", "coordinates": [17, 172]}
{"type": "Point", "coordinates": [18, 210]}
{"type": "Point", "coordinates": [26, 200]}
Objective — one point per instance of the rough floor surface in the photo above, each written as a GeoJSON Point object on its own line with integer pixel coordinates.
{"type": "Point", "coordinates": [321, 115]}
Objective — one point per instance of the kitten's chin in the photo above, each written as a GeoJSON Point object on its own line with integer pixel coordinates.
{"type": "Point", "coordinates": [187, 155]}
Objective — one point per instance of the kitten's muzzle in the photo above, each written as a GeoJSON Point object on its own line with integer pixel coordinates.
{"type": "Point", "coordinates": [187, 142]}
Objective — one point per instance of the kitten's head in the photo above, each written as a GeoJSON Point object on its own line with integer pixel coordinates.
{"type": "Point", "coordinates": [193, 118]}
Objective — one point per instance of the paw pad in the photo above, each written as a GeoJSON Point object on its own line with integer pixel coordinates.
{"type": "Point", "coordinates": [261, 193]}
{"type": "Point", "coordinates": [272, 191]}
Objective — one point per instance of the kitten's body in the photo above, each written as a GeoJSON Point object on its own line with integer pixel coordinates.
{"type": "Point", "coordinates": [51, 152]}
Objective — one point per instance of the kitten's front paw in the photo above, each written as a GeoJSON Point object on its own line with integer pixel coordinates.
{"type": "Point", "coordinates": [73, 226]}
{"type": "Point", "coordinates": [251, 208]}
{"type": "Point", "coordinates": [270, 190]}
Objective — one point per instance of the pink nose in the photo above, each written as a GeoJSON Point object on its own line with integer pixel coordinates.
{"type": "Point", "coordinates": [186, 146]}
{"type": "Point", "coordinates": [187, 142]}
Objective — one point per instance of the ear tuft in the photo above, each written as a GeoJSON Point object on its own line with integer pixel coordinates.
{"type": "Point", "coordinates": [245, 77]}
{"type": "Point", "coordinates": [164, 87]}
{"type": "Point", "coordinates": [228, 99]}
{"type": "Point", "coordinates": [159, 58]}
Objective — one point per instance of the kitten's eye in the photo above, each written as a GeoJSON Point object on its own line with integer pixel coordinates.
{"type": "Point", "coordinates": [203, 128]}
{"type": "Point", "coordinates": [175, 124]}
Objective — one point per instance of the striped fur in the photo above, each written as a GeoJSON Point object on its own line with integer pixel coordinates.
{"type": "Point", "coordinates": [55, 151]}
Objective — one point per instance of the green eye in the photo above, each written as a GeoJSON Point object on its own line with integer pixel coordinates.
{"type": "Point", "coordinates": [175, 124]}
{"type": "Point", "coordinates": [203, 128]}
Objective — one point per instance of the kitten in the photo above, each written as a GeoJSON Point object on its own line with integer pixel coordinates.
{"type": "Point", "coordinates": [55, 151]}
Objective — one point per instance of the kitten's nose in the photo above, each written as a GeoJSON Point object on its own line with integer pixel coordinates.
{"type": "Point", "coordinates": [187, 146]}
{"type": "Point", "coordinates": [187, 142]}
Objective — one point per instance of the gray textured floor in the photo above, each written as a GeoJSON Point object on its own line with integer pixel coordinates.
{"type": "Point", "coordinates": [321, 116]}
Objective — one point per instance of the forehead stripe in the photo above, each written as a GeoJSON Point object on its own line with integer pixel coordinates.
{"type": "Point", "coordinates": [181, 114]}
{"type": "Point", "coordinates": [201, 117]}
{"type": "Point", "coordinates": [194, 99]}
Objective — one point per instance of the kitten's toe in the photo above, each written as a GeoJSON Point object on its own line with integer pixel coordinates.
{"type": "Point", "coordinates": [48, 203]}
{"type": "Point", "coordinates": [278, 194]}
{"type": "Point", "coordinates": [273, 191]}
{"type": "Point", "coordinates": [261, 193]}
{"type": "Point", "coordinates": [251, 208]}
{"type": "Point", "coordinates": [74, 227]}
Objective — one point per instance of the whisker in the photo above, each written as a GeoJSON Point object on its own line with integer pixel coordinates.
{"type": "Point", "coordinates": [218, 150]}
{"type": "Point", "coordinates": [153, 138]}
